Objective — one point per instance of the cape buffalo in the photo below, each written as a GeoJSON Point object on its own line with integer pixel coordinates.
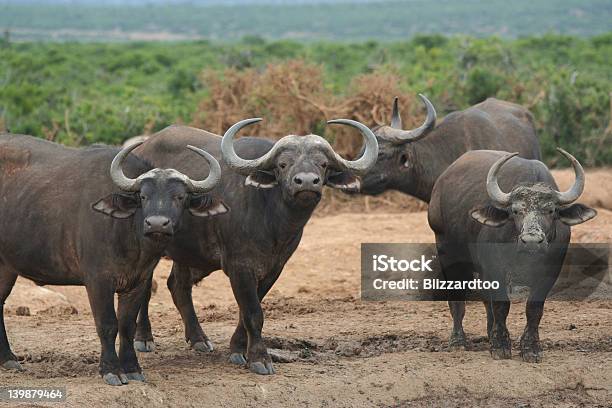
{"type": "Point", "coordinates": [410, 161]}
{"type": "Point", "coordinates": [50, 235]}
{"type": "Point", "coordinates": [514, 226]}
{"type": "Point", "coordinates": [272, 189]}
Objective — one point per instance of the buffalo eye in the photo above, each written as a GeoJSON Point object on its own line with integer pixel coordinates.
{"type": "Point", "coordinates": [282, 165]}
{"type": "Point", "coordinates": [180, 197]}
{"type": "Point", "coordinates": [324, 165]}
{"type": "Point", "coordinates": [143, 197]}
{"type": "Point", "coordinates": [404, 160]}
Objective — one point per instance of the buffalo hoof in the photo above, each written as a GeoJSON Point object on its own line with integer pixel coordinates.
{"type": "Point", "coordinates": [457, 342]}
{"type": "Point", "coordinates": [501, 354]}
{"type": "Point", "coordinates": [238, 359]}
{"type": "Point", "coordinates": [262, 368]}
{"type": "Point", "coordinates": [203, 346]}
{"type": "Point", "coordinates": [135, 376]}
{"type": "Point", "coordinates": [144, 346]}
{"type": "Point", "coordinates": [531, 356]}
{"type": "Point", "coordinates": [12, 365]}
{"type": "Point", "coordinates": [114, 379]}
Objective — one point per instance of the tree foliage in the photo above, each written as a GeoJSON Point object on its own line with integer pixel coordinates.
{"type": "Point", "coordinates": [84, 93]}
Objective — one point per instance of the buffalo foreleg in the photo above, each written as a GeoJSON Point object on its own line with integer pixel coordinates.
{"type": "Point", "coordinates": [501, 345]}
{"type": "Point", "coordinates": [245, 288]}
{"type": "Point", "coordinates": [531, 351]}
{"type": "Point", "coordinates": [8, 360]}
{"type": "Point", "coordinates": [128, 306]}
{"type": "Point", "coordinates": [238, 343]}
{"type": "Point", "coordinates": [143, 340]}
{"type": "Point", "coordinates": [101, 295]}
{"type": "Point", "coordinates": [489, 309]}
{"type": "Point", "coordinates": [180, 284]}
{"type": "Point", "coordinates": [457, 338]}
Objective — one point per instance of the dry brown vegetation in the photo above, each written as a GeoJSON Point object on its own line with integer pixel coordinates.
{"type": "Point", "coordinates": [292, 98]}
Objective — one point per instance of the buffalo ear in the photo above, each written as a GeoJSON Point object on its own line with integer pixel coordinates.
{"type": "Point", "coordinates": [344, 181]}
{"type": "Point", "coordinates": [204, 205]}
{"type": "Point", "coordinates": [261, 179]}
{"type": "Point", "coordinates": [576, 214]}
{"type": "Point", "coordinates": [117, 205]}
{"type": "Point", "coordinates": [490, 216]}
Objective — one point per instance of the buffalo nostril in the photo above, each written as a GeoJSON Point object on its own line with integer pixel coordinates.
{"type": "Point", "coordinates": [157, 222]}
{"type": "Point", "coordinates": [532, 239]}
{"type": "Point", "coordinates": [297, 180]}
{"type": "Point", "coordinates": [316, 181]}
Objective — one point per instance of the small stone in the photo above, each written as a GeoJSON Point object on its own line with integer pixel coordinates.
{"type": "Point", "coordinates": [330, 344]}
{"type": "Point", "coordinates": [305, 353]}
{"type": "Point", "coordinates": [22, 311]}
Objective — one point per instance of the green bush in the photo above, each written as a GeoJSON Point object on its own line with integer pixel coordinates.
{"type": "Point", "coordinates": [87, 93]}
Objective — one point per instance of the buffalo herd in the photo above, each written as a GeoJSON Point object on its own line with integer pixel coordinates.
{"type": "Point", "coordinates": [102, 217]}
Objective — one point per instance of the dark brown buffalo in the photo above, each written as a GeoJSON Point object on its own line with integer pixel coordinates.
{"type": "Point", "coordinates": [272, 189]}
{"type": "Point", "coordinates": [67, 220]}
{"type": "Point", "coordinates": [410, 161]}
{"type": "Point", "coordinates": [501, 218]}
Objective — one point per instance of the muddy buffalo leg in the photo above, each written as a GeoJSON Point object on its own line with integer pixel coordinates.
{"type": "Point", "coordinates": [7, 358]}
{"type": "Point", "coordinates": [531, 350]}
{"type": "Point", "coordinates": [453, 270]}
{"type": "Point", "coordinates": [101, 298]}
{"type": "Point", "coordinates": [238, 343]}
{"type": "Point", "coordinates": [244, 286]}
{"type": "Point", "coordinates": [457, 338]}
{"type": "Point", "coordinates": [180, 284]}
{"type": "Point", "coordinates": [501, 345]}
{"type": "Point", "coordinates": [128, 306]}
{"type": "Point", "coordinates": [143, 340]}
{"type": "Point", "coordinates": [489, 308]}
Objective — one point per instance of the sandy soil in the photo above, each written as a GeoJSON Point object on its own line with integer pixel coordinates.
{"type": "Point", "coordinates": [341, 351]}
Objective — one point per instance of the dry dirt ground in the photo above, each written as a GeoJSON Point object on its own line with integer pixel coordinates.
{"type": "Point", "coordinates": [340, 351]}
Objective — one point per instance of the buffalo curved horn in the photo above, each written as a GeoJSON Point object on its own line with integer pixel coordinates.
{"type": "Point", "coordinates": [495, 193]}
{"type": "Point", "coordinates": [121, 180]}
{"type": "Point", "coordinates": [370, 154]}
{"type": "Point", "coordinates": [131, 185]}
{"type": "Point", "coordinates": [396, 135]}
{"type": "Point", "coordinates": [246, 167]}
{"type": "Point", "coordinates": [571, 195]}
{"type": "Point", "coordinates": [396, 119]}
{"type": "Point", "coordinates": [240, 165]}
{"type": "Point", "coordinates": [214, 175]}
